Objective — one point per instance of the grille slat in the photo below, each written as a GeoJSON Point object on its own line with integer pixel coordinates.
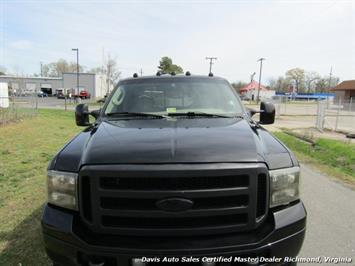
{"type": "Point", "coordinates": [86, 193]}
{"type": "Point", "coordinates": [186, 214]}
{"type": "Point", "coordinates": [153, 194]}
{"type": "Point", "coordinates": [173, 183]}
{"type": "Point", "coordinates": [261, 196]}
{"type": "Point", "coordinates": [150, 204]}
{"type": "Point", "coordinates": [126, 203]}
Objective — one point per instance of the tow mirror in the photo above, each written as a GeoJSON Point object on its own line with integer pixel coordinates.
{"type": "Point", "coordinates": [252, 111]}
{"type": "Point", "coordinates": [267, 113]}
{"type": "Point", "coordinates": [96, 113]}
{"type": "Point", "coordinates": [82, 115]}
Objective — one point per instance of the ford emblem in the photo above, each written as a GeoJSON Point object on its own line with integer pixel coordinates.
{"type": "Point", "coordinates": [174, 204]}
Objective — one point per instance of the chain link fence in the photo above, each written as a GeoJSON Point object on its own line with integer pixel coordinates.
{"type": "Point", "coordinates": [288, 107]}
{"type": "Point", "coordinates": [14, 108]}
{"type": "Point", "coordinates": [337, 116]}
{"type": "Point", "coordinates": [327, 114]}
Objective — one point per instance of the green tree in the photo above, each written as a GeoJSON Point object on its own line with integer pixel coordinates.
{"type": "Point", "coordinates": [166, 66]}
{"type": "Point", "coordinates": [322, 85]}
{"type": "Point", "coordinates": [297, 75]}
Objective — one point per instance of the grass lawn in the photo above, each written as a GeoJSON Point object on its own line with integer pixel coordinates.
{"type": "Point", "coordinates": [7, 115]}
{"type": "Point", "coordinates": [25, 150]}
{"type": "Point", "coordinates": [334, 156]}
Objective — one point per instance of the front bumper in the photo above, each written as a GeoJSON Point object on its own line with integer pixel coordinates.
{"type": "Point", "coordinates": [68, 243]}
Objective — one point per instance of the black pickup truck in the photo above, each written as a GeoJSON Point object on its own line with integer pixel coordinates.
{"type": "Point", "coordinates": [174, 167]}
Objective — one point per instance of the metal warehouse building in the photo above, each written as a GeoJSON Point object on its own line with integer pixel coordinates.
{"type": "Point", "coordinates": [95, 84]}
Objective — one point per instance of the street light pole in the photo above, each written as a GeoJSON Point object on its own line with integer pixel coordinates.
{"type": "Point", "coordinates": [252, 77]}
{"type": "Point", "coordinates": [261, 68]}
{"type": "Point", "coordinates": [77, 69]}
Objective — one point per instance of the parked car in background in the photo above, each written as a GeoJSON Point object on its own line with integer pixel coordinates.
{"type": "Point", "coordinates": [42, 94]}
{"type": "Point", "coordinates": [61, 95]}
{"type": "Point", "coordinates": [84, 95]}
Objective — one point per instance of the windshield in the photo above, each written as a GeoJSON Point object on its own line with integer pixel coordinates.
{"type": "Point", "coordinates": [168, 96]}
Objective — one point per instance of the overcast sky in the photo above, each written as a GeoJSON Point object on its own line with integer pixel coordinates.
{"type": "Point", "coordinates": [313, 35]}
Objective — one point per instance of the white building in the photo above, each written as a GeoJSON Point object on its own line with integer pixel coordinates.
{"type": "Point", "coordinates": [4, 95]}
{"type": "Point", "coordinates": [95, 84]}
{"type": "Point", "coordinates": [251, 91]}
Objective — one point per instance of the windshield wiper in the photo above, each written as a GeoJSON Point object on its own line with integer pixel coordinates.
{"type": "Point", "coordinates": [194, 114]}
{"type": "Point", "coordinates": [135, 114]}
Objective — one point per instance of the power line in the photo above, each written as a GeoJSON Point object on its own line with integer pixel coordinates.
{"type": "Point", "coordinates": [211, 62]}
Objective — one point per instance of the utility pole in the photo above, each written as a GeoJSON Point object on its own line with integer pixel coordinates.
{"type": "Point", "coordinates": [77, 69]}
{"type": "Point", "coordinates": [211, 62]}
{"type": "Point", "coordinates": [141, 71]}
{"type": "Point", "coordinates": [330, 84]}
{"type": "Point", "coordinates": [330, 78]}
{"type": "Point", "coordinates": [261, 68]}
{"type": "Point", "coordinates": [41, 69]}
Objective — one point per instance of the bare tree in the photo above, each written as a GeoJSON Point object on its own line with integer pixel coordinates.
{"type": "Point", "coordinates": [56, 69]}
{"type": "Point", "coordinates": [110, 70]}
{"type": "Point", "coordinates": [311, 77]}
{"type": "Point", "coordinates": [322, 84]}
{"type": "Point", "coordinates": [280, 84]}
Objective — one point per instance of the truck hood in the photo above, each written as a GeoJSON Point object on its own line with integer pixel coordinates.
{"type": "Point", "coordinates": [172, 141]}
{"type": "Point", "coordinates": [154, 141]}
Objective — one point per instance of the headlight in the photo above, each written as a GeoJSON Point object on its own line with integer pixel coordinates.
{"type": "Point", "coordinates": [62, 189]}
{"type": "Point", "coordinates": [284, 186]}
